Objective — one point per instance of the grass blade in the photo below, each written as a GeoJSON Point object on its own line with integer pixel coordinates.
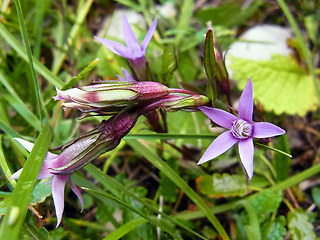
{"type": "Point", "coordinates": [39, 67]}
{"type": "Point", "coordinates": [34, 82]}
{"type": "Point", "coordinates": [125, 228]}
{"type": "Point", "coordinates": [170, 173]}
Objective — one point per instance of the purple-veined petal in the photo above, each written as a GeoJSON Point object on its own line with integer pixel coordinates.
{"type": "Point", "coordinates": [16, 175]}
{"type": "Point", "coordinates": [29, 145]}
{"type": "Point", "coordinates": [149, 35]}
{"type": "Point", "coordinates": [111, 45]}
{"type": "Point", "coordinates": [246, 151]}
{"type": "Point", "coordinates": [45, 170]}
{"type": "Point", "coordinates": [58, 184]}
{"type": "Point", "coordinates": [265, 130]}
{"type": "Point", "coordinates": [128, 34]}
{"type": "Point", "coordinates": [221, 144]}
{"type": "Point", "coordinates": [77, 192]}
{"type": "Point", "coordinates": [246, 102]}
{"type": "Point", "coordinates": [220, 117]}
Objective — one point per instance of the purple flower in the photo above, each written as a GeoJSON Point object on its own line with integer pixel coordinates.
{"type": "Point", "coordinates": [58, 181]}
{"type": "Point", "coordinates": [241, 129]}
{"type": "Point", "coordinates": [133, 51]}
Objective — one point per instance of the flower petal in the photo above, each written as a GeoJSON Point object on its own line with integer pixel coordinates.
{"type": "Point", "coordinates": [128, 34]}
{"type": "Point", "coordinates": [29, 145]}
{"type": "Point", "coordinates": [265, 130]}
{"type": "Point", "coordinates": [125, 52]}
{"type": "Point", "coordinates": [16, 175]}
{"type": "Point", "coordinates": [246, 102]}
{"type": "Point", "coordinates": [58, 184]}
{"type": "Point", "coordinates": [127, 76]}
{"type": "Point", "coordinates": [246, 151]}
{"type": "Point", "coordinates": [77, 192]}
{"type": "Point", "coordinates": [110, 44]}
{"type": "Point", "coordinates": [149, 35]}
{"type": "Point", "coordinates": [220, 117]}
{"type": "Point", "coordinates": [218, 146]}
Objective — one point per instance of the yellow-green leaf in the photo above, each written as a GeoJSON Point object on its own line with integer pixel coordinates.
{"type": "Point", "coordinates": [280, 84]}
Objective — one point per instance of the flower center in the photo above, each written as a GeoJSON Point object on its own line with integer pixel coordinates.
{"type": "Point", "coordinates": [241, 129]}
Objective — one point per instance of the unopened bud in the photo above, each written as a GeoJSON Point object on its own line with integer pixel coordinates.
{"type": "Point", "coordinates": [189, 103]}
{"type": "Point", "coordinates": [110, 96]}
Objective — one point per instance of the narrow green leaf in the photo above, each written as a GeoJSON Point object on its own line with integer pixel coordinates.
{"type": "Point", "coordinates": [42, 111]}
{"type": "Point", "coordinates": [281, 162]}
{"type": "Point", "coordinates": [18, 105]}
{"type": "Point", "coordinates": [116, 188]}
{"type": "Point", "coordinates": [18, 206]}
{"type": "Point", "coordinates": [184, 19]}
{"type": "Point", "coordinates": [73, 81]}
{"type": "Point", "coordinates": [4, 165]}
{"type": "Point", "coordinates": [125, 228]}
{"type": "Point", "coordinates": [41, 6]}
{"type": "Point", "coordinates": [83, 10]}
{"type": "Point", "coordinates": [162, 166]}
{"type": "Point", "coordinates": [39, 67]}
{"type": "Point", "coordinates": [164, 136]}
{"type": "Point", "coordinates": [156, 222]}
{"type": "Point", "coordinates": [210, 63]}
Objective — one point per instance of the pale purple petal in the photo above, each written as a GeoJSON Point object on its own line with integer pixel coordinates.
{"type": "Point", "coordinates": [221, 144]}
{"type": "Point", "coordinates": [127, 76]}
{"type": "Point", "coordinates": [246, 151]}
{"type": "Point", "coordinates": [265, 130]}
{"type": "Point", "coordinates": [111, 45]}
{"type": "Point", "coordinates": [149, 35]}
{"type": "Point", "coordinates": [45, 170]}
{"type": "Point", "coordinates": [220, 117]}
{"type": "Point", "coordinates": [58, 184]}
{"type": "Point", "coordinates": [16, 175]}
{"type": "Point", "coordinates": [29, 145]}
{"type": "Point", "coordinates": [129, 36]}
{"type": "Point", "coordinates": [77, 192]}
{"type": "Point", "coordinates": [246, 102]}
{"type": "Point", "coordinates": [124, 52]}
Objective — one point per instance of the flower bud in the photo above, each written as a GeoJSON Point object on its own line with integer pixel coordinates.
{"type": "Point", "coordinates": [111, 97]}
{"type": "Point", "coordinates": [105, 137]}
{"type": "Point", "coordinates": [189, 103]}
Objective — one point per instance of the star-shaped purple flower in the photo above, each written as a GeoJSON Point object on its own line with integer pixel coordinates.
{"type": "Point", "coordinates": [241, 129]}
{"type": "Point", "coordinates": [58, 181]}
{"type": "Point", "coordinates": [133, 51]}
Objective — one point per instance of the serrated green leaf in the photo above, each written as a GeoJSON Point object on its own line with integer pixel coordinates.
{"type": "Point", "coordinates": [266, 204]}
{"type": "Point", "coordinates": [275, 230]}
{"type": "Point", "coordinates": [224, 185]}
{"type": "Point", "coordinates": [280, 85]}
{"type": "Point", "coordinates": [31, 232]}
{"type": "Point", "coordinates": [299, 226]}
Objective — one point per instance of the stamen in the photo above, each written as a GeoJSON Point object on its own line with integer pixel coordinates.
{"type": "Point", "coordinates": [241, 129]}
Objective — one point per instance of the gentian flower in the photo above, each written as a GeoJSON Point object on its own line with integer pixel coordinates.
{"type": "Point", "coordinates": [58, 181]}
{"type": "Point", "coordinates": [241, 129]}
{"type": "Point", "coordinates": [133, 51]}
